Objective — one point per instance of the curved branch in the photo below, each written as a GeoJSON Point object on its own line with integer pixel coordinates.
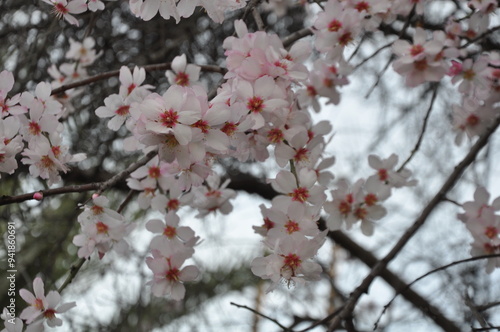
{"type": "Point", "coordinates": [381, 265]}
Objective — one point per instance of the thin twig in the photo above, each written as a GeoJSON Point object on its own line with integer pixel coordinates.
{"type": "Point", "coordinates": [99, 186]}
{"type": "Point", "coordinates": [262, 315]}
{"type": "Point", "coordinates": [72, 274]}
{"type": "Point", "coordinates": [154, 67]}
{"type": "Point", "coordinates": [450, 182]}
{"type": "Point", "coordinates": [481, 36]}
{"type": "Point", "coordinates": [258, 19]}
{"type": "Point", "coordinates": [421, 136]}
{"type": "Point", "coordinates": [442, 268]}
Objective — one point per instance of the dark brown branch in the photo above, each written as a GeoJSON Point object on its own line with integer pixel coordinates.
{"type": "Point", "coordinates": [442, 268]}
{"type": "Point", "coordinates": [450, 182]}
{"type": "Point", "coordinates": [262, 315]}
{"type": "Point", "coordinates": [154, 67]}
{"type": "Point", "coordinates": [99, 186]}
{"type": "Point", "coordinates": [252, 185]}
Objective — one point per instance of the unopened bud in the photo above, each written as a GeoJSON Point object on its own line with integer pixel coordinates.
{"type": "Point", "coordinates": [94, 196]}
{"type": "Point", "coordinates": [38, 196]}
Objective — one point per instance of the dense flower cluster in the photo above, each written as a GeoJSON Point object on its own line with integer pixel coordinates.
{"type": "Point", "coordinates": [261, 111]}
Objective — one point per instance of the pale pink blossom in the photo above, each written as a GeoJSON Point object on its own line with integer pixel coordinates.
{"type": "Point", "coordinates": [182, 73]}
{"type": "Point", "coordinates": [64, 9]}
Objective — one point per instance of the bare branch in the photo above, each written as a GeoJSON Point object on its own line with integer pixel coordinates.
{"type": "Point", "coordinates": [263, 316]}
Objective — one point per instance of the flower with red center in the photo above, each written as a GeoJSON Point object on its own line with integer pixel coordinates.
{"type": "Point", "coordinates": [300, 194]}
{"type": "Point", "coordinates": [255, 104]}
{"type": "Point", "coordinates": [169, 118]}
{"type": "Point", "coordinates": [491, 232]}
{"type": "Point", "coordinates": [170, 231]}
{"type": "Point", "coordinates": [275, 135]}
{"type": "Point", "coordinates": [292, 227]}
{"type": "Point", "coordinates": [382, 174]}
{"type": "Point", "coordinates": [416, 50]}
{"type": "Point", "coordinates": [362, 5]}
{"type": "Point", "coordinates": [34, 128]}
{"type": "Point", "coordinates": [123, 110]}
{"type": "Point", "coordinates": [334, 25]}
{"type": "Point", "coordinates": [182, 79]}
{"type": "Point", "coordinates": [173, 204]}
{"type": "Point", "coordinates": [229, 128]}
{"type": "Point", "coordinates": [101, 227]}
{"type": "Point", "coordinates": [202, 125]}
{"type": "Point", "coordinates": [154, 172]}
{"type": "Point", "coordinates": [292, 262]}
{"type": "Point", "coordinates": [371, 199]}
{"type": "Point", "coordinates": [345, 38]}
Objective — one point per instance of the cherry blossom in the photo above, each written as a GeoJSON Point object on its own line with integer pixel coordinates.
{"type": "Point", "coordinates": [182, 73]}
{"type": "Point", "coordinates": [43, 307]}
{"type": "Point", "coordinates": [64, 9]}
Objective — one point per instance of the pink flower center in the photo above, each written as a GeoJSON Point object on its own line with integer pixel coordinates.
{"type": "Point", "coordinates": [344, 208]}
{"type": "Point", "coordinates": [311, 91]}
{"type": "Point", "coordinates": [292, 227]}
{"type": "Point", "coordinates": [275, 135]}
{"type": "Point", "coordinates": [361, 213]}
{"type": "Point", "coordinates": [46, 162]}
{"type": "Point", "coordinates": [49, 314]}
{"type": "Point", "coordinates": [345, 39]}
{"type": "Point", "coordinates": [56, 150]}
{"type": "Point", "coordinates": [371, 199]}
{"type": "Point", "coordinates": [60, 9]}
{"type": "Point", "coordinates": [213, 193]}
{"type": "Point", "coordinates": [96, 209]}
{"type": "Point", "coordinates": [268, 224]}
{"type": "Point", "coordinates": [173, 204]}
{"type": "Point", "coordinates": [491, 232]}
{"type": "Point", "coordinates": [172, 274]}
{"type": "Point", "coordinates": [102, 228]}
{"type": "Point", "coordinates": [300, 194]}
{"type": "Point", "coordinates": [34, 128]}
{"type": "Point", "coordinates": [383, 175]}
{"type": "Point", "coordinates": [131, 88]}
{"type": "Point", "coordinates": [169, 118]}
{"type": "Point", "coordinates": [416, 50]}
{"type": "Point", "coordinates": [182, 79]}
{"type": "Point", "coordinates": [360, 6]}
{"type": "Point", "coordinates": [472, 120]}
{"type": "Point", "coordinates": [334, 25]}
{"type": "Point", "coordinates": [202, 125]}
{"type": "Point", "coordinates": [154, 172]}
{"type": "Point", "coordinates": [255, 104]}
{"type": "Point", "coordinates": [292, 261]}
{"type": "Point", "coordinates": [301, 155]}
{"type": "Point", "coordinates": [170, 232]}
{"type": "Point", "coordinates": [123, 110]}
{"type": "Point", "coordinates": [229, 128]}
{"type": "Point", "coordinates": [171, 141]}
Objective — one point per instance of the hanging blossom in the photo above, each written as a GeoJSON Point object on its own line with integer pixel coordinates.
{"type": "Point", "coordinates": [102, 229]}
{"type": "Point", "coordinates": [483, 222]}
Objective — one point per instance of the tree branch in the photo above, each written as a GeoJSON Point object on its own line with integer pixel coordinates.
{"type": "Point", "coordinates": [450, 182]}
{"type": "Point", "coordinates": [99, 186]}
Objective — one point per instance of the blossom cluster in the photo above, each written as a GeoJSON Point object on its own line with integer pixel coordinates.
{"type": "Point", "coordinates": [42, 309]}
{"type": "Point", "coordinates": [261, 111]}
{"type": "Point", "coordinates": [483, 221]}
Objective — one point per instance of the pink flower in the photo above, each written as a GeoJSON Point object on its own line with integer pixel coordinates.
{"type": "Point", "coordinates": [183, 74]}
{"type": "Point", "coordinates": [302, 191]}
{"type": "Point", "coordinates": [63, 8]}
{"type": "Point", "coordinates": [43, 307]}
